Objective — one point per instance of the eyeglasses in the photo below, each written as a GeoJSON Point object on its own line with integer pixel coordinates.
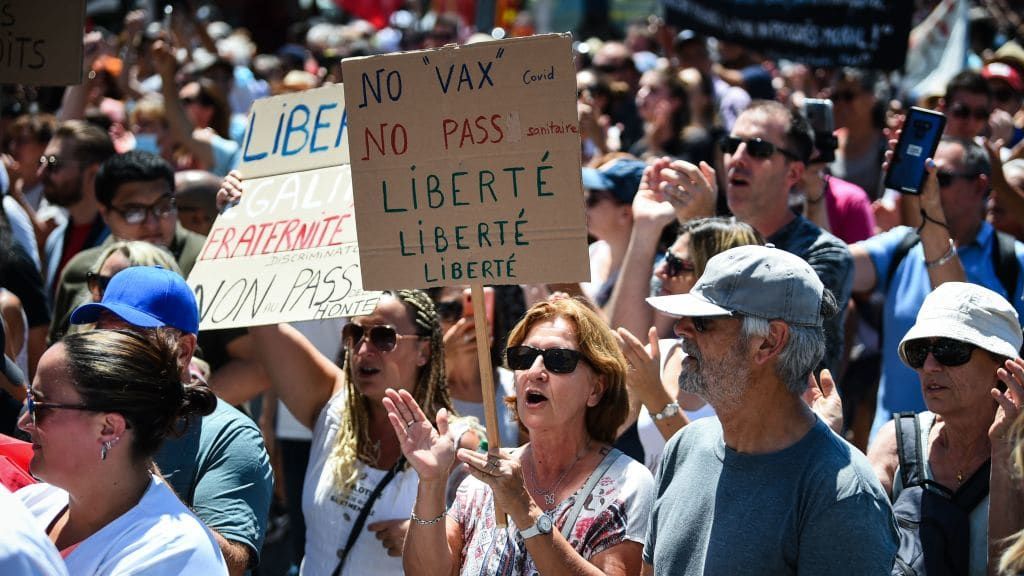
{"type": "Point", "coordinates": [136, 213]}
{"type": "Point", "coordinates": [946, 177]}
{"type": "Point", "coordinates": [383, 336]}
{"type": "Point", "coordinates": [674, 265]}
{"type": "Point", "coordinates": [962, 111]}
{"type": "Point", "coordinates": [946, 351]}
{"type": "Point", "coordinates": [38, 410]}
{"type": "Point", "coordinates": [756, 147]}
{"type": "Point", "coordinates": [55, 164]}
{"type": "Point", "coordinates": [703, 323]}
{"type": "Point", "coordinates": [557, 360]}
{"type": "Point", "coordinates": [97, 282]}
{"type": "Point", "coordinates": [844, 96]}
{"type": "Point", "coordinates": [449, 310]}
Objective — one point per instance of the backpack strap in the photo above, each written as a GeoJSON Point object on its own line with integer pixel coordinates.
{"type": "Point", "coordinates": [908, 448]}
{"type": "Point", "coordinates": [1004, 262]}
{"type": "Point", "coordinates": [902, 249]}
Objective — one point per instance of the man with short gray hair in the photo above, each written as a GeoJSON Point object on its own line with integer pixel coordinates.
{"type": "Point", "coordinates": [767, 488]}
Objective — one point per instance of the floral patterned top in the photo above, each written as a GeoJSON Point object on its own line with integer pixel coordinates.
{"type": "Point", "coordinates": [617, 510]}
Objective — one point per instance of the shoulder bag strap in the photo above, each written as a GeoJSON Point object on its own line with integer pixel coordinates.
{"type": "Point", "coordinates": [1004, 262]}
{"type": "Point", "coordinates": [357, 527]}
{"type": "Point", "coordinates": [595, 477]}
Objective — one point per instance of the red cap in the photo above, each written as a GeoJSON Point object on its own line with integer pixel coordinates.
{"type": "Point", "coordinates": [1000, 71]}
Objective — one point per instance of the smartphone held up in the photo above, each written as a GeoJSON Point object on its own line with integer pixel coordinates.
{"type": "Point", "coordinates": [919, 138]}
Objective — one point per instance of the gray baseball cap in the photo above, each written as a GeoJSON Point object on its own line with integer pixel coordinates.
{"type": "Point", "coordinates": [760, 281]}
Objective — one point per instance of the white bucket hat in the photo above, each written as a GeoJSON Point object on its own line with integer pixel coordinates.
{"type": "Point", "coordinates": [968, 313]}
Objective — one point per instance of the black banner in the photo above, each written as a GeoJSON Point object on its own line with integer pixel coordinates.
{"type": "Point", "coordinates": [861, 33]}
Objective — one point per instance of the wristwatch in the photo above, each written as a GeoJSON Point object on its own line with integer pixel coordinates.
{"type": "Point", "coordinates": [542, 525]}
{"type": "Point", "coordinates": [670, 409]}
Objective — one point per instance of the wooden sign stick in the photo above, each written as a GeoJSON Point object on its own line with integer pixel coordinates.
{"type": "Point", "coordinates": [483, 354]}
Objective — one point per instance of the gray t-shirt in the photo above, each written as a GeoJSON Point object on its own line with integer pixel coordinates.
{"type": "Point", "coordinates": [812, 508]}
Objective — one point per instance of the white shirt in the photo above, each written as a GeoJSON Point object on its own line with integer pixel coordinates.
{"type": "Point", "coordinates": [330, 516]}
{"type": "Point", "coordinates": [24, 548]}
{"type": "Point", "coordinates": [157, 537]}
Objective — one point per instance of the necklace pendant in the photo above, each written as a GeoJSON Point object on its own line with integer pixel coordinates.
{"type": "Point", "coordinates": [549, 499]}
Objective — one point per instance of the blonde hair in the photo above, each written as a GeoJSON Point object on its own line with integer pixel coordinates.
{"type": "Point", "coordinates": [138, 253]}
{"type": "Point", "coordinates": [598, 348]}
{"type": "Point", "coordinates": [354, 443]}
{"type": "Point", "coordinates": [1012, 560]}
{"type": "Point", "coordinates": [709, 236]}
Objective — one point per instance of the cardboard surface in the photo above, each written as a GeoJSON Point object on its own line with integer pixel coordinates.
{"type": "Point", "coordinates": [41, 42]}
{"type": "Point", "coordinates": [466, 165]}
{"type": "Point", "coordinates": [287, 252]}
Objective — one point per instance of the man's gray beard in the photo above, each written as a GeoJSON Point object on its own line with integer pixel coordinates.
{"type": "Point", "coordinates": [720, 383]}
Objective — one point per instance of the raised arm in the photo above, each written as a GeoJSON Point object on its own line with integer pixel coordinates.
{"type": "Point", "coordinates": [181, 128]}
{"type": "Point", "coordinates": [1006, 508]}
{"type": "Point", "coordinates": [303, 378]}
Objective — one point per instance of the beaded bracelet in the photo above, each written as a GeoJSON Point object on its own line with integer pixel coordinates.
{"type": "Point", "coordinates": [423, 522]}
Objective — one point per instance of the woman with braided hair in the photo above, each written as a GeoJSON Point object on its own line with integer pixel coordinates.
{"type": "Point", "coordinates": [359, 491]}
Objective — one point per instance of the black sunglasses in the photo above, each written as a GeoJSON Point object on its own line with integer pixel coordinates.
{"type": "Point", "coordinates": [843, 96]}
{"type": "Point", "coordinates": [383, 336]}
{"type": "Point", "coordinates": [38, 410]}
{"type": "Point", "coordinates": [449, 310]}
{"type": "Point", "coordinates": [962, 111]}
{"type": "Point", "coordinates": [756, 147]}
{"type": "Point", "coordinates": [557, 360]}
{"type": "Point", "coordinates": [946, 177]}
{"type": "Point", "coordinates": [703, 323]}
{"type": "Point", "coordinates": [946, 351]}
{"type": "Point", "coordinates": [674, 265]}
{"type": "Point", "coordinates": [97, 282]}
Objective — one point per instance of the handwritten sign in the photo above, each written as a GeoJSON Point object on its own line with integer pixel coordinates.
{"type": "Point", "coordinates": [863, 33]}
{"type": "Point", "coordinates": [41, 41]}
{"type": "Point", "coordinates": [287, 251]}
{"type": "Point", "coordinates": [466, 165]}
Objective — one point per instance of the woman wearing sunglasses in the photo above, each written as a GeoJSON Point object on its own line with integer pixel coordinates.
{"type": "Point", "coordinates": [964, 347]}
{"type": "Point", "coordinates": [101, 404]}
{"type": "Point", "coordinates": [571, 397]}
{"type": "Point", "coordinates": [658, 408]}
{"type": "Point", "coordinates": [358, 490]}
{"type": "Point", "coordinates": [112, 259]}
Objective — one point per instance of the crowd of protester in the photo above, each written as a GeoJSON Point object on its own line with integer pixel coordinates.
{"type": "Point", "coordinates": [777, 366]}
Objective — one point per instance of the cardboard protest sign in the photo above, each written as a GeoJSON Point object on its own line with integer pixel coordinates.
{"type": "Point", "coordinates": [41, 41]}
{"type": "Point", "coordinates": [466, 165]}
{"type": "Point", "coordinates": [287, 251]}
{"type": "Point", "coordinates": [866, 33]}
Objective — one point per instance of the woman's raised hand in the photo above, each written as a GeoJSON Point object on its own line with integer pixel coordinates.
{"type": "Point", "coordinates": [230, 191]}
{"type": "Point", "coordinates": [430, 451]}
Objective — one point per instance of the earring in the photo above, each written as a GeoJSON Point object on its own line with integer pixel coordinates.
{"type": "Point", "coordinates": [104, 448]}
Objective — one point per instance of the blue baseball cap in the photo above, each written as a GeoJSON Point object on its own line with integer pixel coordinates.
{"type": "Point", "coordinates": [148, 297]}
{"type": "Point", "coordinates": [620, 177]}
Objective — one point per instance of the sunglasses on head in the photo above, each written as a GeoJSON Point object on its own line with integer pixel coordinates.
{"type": "Point", "coordinates": [946, 177]}
{"type": "Point", "coordinates": [383, 336]}
{"type": "Point", "coordinates": [962, 111]}
{"type": "Point", "coordinates": [946, 351]}
{"type": "Point", "coordinates": [674, 265]}
{"type": "Point", "coordinates": [557, 360]}
{"type": "Point", "coordinates": [756, 147]}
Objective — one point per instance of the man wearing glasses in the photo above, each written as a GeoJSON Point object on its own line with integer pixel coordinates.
{"type": "Point", "coordinates": [67, 170]}
{"type": "Point", "coordinates": [135, 192]}
{"type": "Point", "coordinates": [956, 243]}
{"type": "Point", "coordinates": [967, 105]}
{"type": "Point", "coordinates": [766, 487]}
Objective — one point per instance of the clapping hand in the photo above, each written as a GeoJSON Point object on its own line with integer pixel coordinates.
{"type": "Point", "coordinates": [430, 451]}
